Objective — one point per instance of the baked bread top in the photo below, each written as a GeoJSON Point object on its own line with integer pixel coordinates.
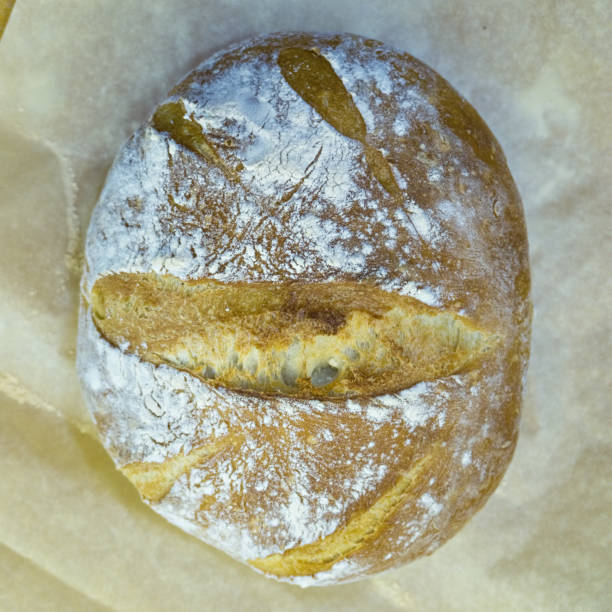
{"type": "Point", "coordinates": [305, 314]}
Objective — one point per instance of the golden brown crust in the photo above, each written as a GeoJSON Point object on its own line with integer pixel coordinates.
{"type": "Point", "coordinates": [306, 307]}
{"type": "Point", "coordinates": [155, 480]}
{"type": "Point", "coordinates": [362, 528]}
{"type": "Point", "coordinates": [333, 340]}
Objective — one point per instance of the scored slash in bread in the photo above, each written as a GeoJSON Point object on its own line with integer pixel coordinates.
{"type": "Point", "coordinates": [305, 309]}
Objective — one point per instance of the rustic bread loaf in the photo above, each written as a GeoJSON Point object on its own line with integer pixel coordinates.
{"type": "Point", "coordinates": [305, 309]}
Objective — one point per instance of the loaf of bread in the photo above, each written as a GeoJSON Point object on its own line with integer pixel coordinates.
{"type": "Point", "coordinates": [305, 310]}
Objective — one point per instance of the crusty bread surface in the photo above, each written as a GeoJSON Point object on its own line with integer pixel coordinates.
{"type": "Point", "coordinates": [305, 311]}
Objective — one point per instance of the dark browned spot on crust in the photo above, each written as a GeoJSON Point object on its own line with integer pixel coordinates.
{"type": "Point", "coordinates": [382, 171]}
{"type": "Point", "coordinates": [313, 78]}
{"type": "Point", "coordinates": [186, 131]}
{"type": "Point", "coordinates": [315, 81]}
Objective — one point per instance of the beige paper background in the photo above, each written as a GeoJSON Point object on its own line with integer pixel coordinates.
{"type": "Point", "coordinates": [77, 77]}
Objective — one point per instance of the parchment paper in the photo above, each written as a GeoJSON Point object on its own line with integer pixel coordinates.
{"type": "Point", "coordinates": [76, 78]}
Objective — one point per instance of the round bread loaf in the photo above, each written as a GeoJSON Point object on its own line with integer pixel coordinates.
{"type": "Point", "coordinates": [305, 309]}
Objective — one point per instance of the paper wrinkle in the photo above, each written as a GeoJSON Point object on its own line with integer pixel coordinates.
{"type": "Point", "coordinates": [539, 75]}
{"type": "Point", "coordinates": [15, 389]}
{"type": "Point", "coordinates": [67, 590]}
{"type": "Point", "coordinates": [39, 246]}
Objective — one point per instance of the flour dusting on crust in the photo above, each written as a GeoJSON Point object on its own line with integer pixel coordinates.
{"type": "Point", "coordinates": [263, 187]}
